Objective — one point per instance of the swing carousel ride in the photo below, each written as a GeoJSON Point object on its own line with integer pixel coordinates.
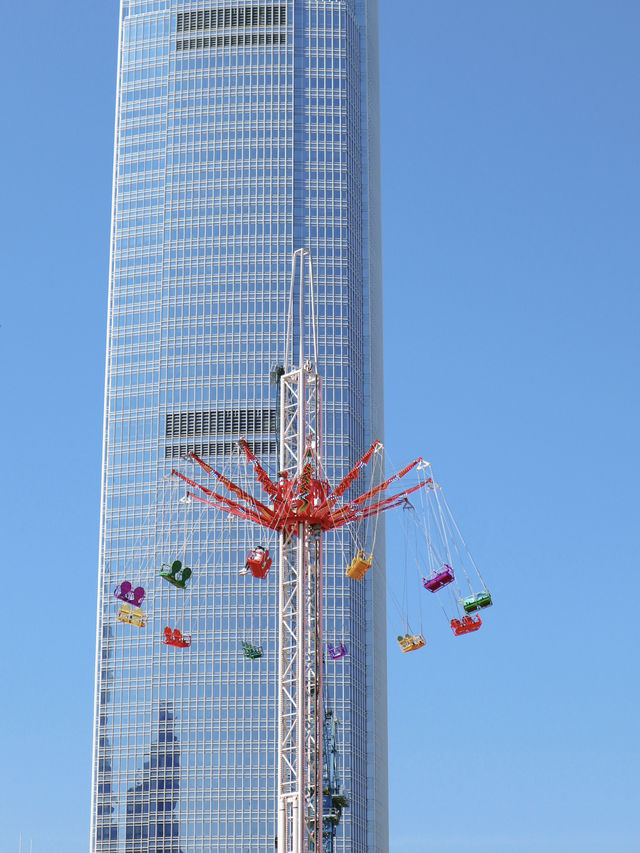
{"type": "Point", "coordinates": [300, 506]}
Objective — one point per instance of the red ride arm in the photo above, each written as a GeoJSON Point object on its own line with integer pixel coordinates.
{"type": "Point", "coordinates": [354, 511]}
{"type": "Point", "coordinates": [202, 464]}
{"type": "Point", "coordinates": [227, 505]}
{"type": "Point", "coordinates": [191, 482]}
{"type": "Point", "coordinates": [263, 478]}
{"type": "Point", "coordinates": [236, 490]}
{"type": "Point", "coordinates": [372, 492]}
{"type": "Point", "coordinates": [342, 487]}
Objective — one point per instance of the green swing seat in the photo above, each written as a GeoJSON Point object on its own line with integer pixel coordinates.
{"type": "Point", "coordinates": [477, 601]}
{"type": "Point", "coordinates": [252, 652]}
{"type": "Point", "coordinates": [175, 574]}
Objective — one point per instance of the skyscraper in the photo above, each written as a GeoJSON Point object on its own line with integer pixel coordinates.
{"type": "Point", "coordinates": [243, 132]}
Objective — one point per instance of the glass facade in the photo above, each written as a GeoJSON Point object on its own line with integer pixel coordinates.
{"type": "Point", "coordinates": [243, 132]}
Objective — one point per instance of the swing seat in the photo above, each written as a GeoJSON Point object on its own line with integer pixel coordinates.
{"type": "Point", "coordinates": [332, 807]}
{"type": "Point", "coordinates": [176, 638]}
{"type": "Point", "coordinates": [360, 565]}
{"type": "Point", "coordinates": [258, 562]}
{"type": "Point", "coordinates": [175, 574]}
{"type": "Point", "coordinates": [466, 625]}
{"type": "Point", "coordinates": [437, 581]}
{"type": "Point", "coordinates": [125, 593]}
{"type": "Point", "coordinates": [410, 643]}
{"type": "Point", "coordinates": [338, 651]}
{"type": "Point", "coordinates": [130, 615]}
{"type": "Point", "coordinates": [252, 652]}
{"type": "Point", "coordinates": [476, 601]}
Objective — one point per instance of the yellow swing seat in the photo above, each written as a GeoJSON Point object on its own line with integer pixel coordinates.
{"type": "Point", "coordinates": [410, 643]}
{"type": "Point", "coordinates": [360, 565]}
{"type": "Point", "coordinates": [132, 615]}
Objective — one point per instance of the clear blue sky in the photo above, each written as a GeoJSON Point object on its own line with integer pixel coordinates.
{"type": "Point", "coordinates": [510, 138]}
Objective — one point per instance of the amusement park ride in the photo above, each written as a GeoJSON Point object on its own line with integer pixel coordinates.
{"type": "Point", "coordinates": [301, 506]}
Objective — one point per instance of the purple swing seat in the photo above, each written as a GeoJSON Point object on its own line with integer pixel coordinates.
{"type": "Point", "coordinates": [338, 651]}
{"type": "Point", "coordinates": [124, 593]}
{"type": "Point", "coordinates": [438, 581]}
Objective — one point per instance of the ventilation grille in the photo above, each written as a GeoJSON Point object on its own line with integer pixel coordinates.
{"type": "Point", "coordinates": [218, 448]}
{"type": "Point", "coordinates": [241, 16]}
{"type": "Point", "coordinates": [240, 39]}
{"type": "Point", "coordinates": [234, 422]}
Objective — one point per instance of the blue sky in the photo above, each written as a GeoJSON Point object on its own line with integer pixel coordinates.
{"type": "Point", "coordinates": [510, 138]}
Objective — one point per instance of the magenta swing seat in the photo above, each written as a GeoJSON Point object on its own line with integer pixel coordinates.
{"type": "Point", "coordinates": [338, 651]}
{"type": "Point", "coordinates": [125, 593]}
{"type": "Point", "coordinates": [436, 582]}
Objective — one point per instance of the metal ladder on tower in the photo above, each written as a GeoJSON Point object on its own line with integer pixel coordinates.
{"type": "Point", "coordinates": [333, 800]}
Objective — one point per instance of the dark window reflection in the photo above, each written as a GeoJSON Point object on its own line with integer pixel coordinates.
{"type": "Point", "coordinates": [150, 825]}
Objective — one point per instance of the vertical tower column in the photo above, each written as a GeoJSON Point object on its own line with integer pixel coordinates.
{"type": "Point", "coordinates": [300, 628]}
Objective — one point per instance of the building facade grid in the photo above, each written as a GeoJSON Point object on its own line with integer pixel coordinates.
{"type": "Point", "coordinates": [229, 154]}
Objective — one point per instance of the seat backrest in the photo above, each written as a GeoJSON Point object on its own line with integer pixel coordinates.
{"type": "Point", "coordinates": [186, 573]}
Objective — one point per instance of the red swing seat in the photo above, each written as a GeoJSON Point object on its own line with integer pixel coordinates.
{"type": "Point", "coordinates": [259, 562]}
{"type": "Point", "coordinates": [176, 638]}
{"type": "Point", "coordinates": [466, 625]}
